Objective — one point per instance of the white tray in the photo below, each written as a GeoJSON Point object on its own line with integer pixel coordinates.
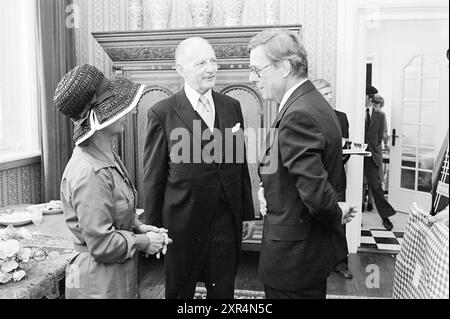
{"type": "Point", "coordinates": [355, 152]}
{"type": "Point", "coordinates": [16, 218]}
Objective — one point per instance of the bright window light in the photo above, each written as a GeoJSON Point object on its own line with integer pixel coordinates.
{"type": "Point", "coordinates": [19, 127]}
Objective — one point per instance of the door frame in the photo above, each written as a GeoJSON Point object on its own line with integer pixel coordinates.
{"type": "Point", "coordinates": [353, 19]}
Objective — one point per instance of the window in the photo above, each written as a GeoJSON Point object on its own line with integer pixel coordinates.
{"type": "Point", "coordinates": [19, 129]}
{"type": "Point", "coordinates": [419, 108]}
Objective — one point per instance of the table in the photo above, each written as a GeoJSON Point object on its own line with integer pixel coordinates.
{"type": "Point", "coordinates": [44, 279]}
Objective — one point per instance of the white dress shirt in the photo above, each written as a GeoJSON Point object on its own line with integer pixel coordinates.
{"type": "Point", "coordinates": [288, 94]}
{"type": "Point", "coordinates": [194, 97]}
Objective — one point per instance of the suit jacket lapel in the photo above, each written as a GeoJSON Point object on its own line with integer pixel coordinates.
{"type": "Point", "coordinates": [221, 114]}
{"type": "Point", "coordinates": [300, 91]}
{"type": "Point", "coordinates": [224, 119]}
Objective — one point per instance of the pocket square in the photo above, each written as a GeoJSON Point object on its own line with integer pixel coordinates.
{"type": "Point", "coordinates": [236, 128]}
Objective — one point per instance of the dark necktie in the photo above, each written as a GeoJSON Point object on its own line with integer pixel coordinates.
{"type": "Point", "coordinates": [367, 117]}
{"type": "Point", "coordinates": [440, 198]}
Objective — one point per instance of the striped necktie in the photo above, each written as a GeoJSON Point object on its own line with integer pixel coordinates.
{"type": "Point", "coordinates": [440, 199]}
{"type": "Point", "coordinates": [206, 112]}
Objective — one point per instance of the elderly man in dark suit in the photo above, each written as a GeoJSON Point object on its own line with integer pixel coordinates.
{"type": "Point", "coordinates": [192, 185]}
{"type": "Point", "coordinates": [303, 216]}
{"type": "Point", "coordinates": [374, 129]}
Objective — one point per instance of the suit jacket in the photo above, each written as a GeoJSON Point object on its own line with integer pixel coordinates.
{"type": "Point", "coordinates": [182, 196]}
{"type": "Point", "coordinates": [343, 123]}
{"type": "Point", "coordinates": [301, 228]}
{"type": "Point", "coordinates": [374, 136]}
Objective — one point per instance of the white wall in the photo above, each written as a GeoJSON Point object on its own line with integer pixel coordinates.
{"type": "Point", "coordinates": [390, 41]}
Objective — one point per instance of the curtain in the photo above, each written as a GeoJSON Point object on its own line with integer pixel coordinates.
{"type": "Point", "coordinates": [18, 80]}
{"type": "Point", "coordinates": [56, 56]}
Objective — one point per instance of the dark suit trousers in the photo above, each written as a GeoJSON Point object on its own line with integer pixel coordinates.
{"type": "Point", "coordinates": [318, 291]}
{"type": "Point", "coordinates": [218, 261]}
{"type": "Point", "coordinates": [372, 173]}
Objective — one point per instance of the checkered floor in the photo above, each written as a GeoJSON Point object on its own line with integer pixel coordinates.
{"type": "Point", "coordinates": [375, 240]}
{"type": "Point", "coordinates": [381, 240]}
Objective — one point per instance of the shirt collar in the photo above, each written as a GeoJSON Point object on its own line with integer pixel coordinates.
{"type": "Point", "coordinates": [370, 108]}
{"type": "Point", "coordinates": [97, 157]}
{"type": "Point", "coordinates": [193, 96]}
{"type": "Point", "coordinates": [289, 92]}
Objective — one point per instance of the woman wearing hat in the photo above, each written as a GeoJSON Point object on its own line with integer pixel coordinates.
{"type": "Point", "coordinates": [98, 198]}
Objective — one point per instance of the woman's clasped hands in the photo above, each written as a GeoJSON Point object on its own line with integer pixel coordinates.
{"type": "Point", "coordinates": [159, 240]}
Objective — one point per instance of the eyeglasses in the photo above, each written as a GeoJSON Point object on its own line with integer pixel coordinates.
{"type": "Point", "coordinates": [253, 69]}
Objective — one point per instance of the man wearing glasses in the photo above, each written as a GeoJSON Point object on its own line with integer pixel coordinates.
{"type": "Point", "coordinates": [298, 200]}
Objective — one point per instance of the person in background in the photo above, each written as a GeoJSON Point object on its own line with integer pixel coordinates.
{"type": "Point", "coordinates": [98, 198]}
{"type": "Point", "coordinates": [204, 201]}
{"type": "Point", "coordinates": [378, 102]}
{"type": "Point", "coordinates": [373, 137]}
{"type": "Point", "coordinates": [298, 197]}
{"type": "Point", "coordinates": [324, 87]}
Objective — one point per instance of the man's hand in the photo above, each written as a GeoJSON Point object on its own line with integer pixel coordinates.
{"type": "Point", "coordinates": [348, 212]}
{"type": "Point", "coordinates": [248, 228]}
{"type": "Point", "coordinates": [262, 202]}
{"type": "Point", "coordinates": [143, 229]}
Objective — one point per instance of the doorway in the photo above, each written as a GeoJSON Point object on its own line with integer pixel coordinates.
{"type": "Point", "coordinates": [409, 26]}
{"type": "Point", "coordinates": [409, 61]}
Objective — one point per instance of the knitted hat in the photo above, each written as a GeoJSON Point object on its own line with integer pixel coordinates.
{"type": "Point", "coordinates": [92, 101]}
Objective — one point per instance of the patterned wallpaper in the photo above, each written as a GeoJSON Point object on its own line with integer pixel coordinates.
{"type": "Point", "coordinates": [21, 185]}
{"type": "Point", "coordinates": [318, 18]}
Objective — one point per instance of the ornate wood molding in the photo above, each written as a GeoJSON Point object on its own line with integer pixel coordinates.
{"type": "Point", "coordinates": [158, 47]}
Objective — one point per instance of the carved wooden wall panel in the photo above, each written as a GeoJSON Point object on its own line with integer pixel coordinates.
{"type": "Point", "coordinates": [251, 105]}
{"type": "Point", "coordinates": [152, 95]}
